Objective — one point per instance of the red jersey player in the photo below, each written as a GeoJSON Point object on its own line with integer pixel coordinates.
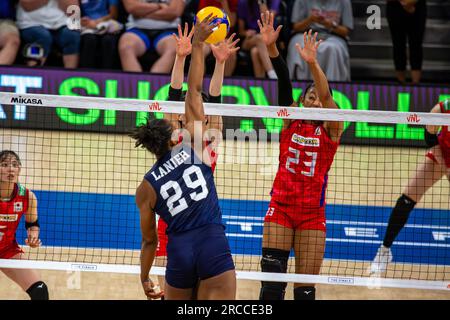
{"type": "Point", "coordinates": [16, 201]}
{"type": "Point", "coordinates": [436, 164]}
{"type": "Point", "coordinates": [296, 214]}
{"type": "Point", "coordinates": [221, 52]}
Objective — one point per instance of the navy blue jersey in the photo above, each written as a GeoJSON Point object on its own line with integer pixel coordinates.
{"type": "Point", "coordinates": [185, 189]}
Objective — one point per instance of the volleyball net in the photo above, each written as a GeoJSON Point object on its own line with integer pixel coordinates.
{"type": "Point", "coordinates": [85, 180]}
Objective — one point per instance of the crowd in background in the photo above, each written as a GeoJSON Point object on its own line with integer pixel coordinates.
{"type": "Point", "coordinates": [136, 35]}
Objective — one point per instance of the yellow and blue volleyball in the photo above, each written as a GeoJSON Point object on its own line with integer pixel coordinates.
{"type": "Point", "coordinates": [221, 31]}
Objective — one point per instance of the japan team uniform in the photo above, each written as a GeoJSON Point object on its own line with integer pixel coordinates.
{"type": "Point", "coordinates": [443, 137]}
{"type": "Point", "coordinates": [298, 192]}
{"type": "Point", "coordinates": [10, 214]}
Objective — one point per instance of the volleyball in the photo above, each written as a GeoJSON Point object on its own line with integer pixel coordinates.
{"type": "Point", "coordinates": [221, 31]}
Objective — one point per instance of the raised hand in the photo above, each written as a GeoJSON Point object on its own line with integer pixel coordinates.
{"type": "Point", "coordinates": [268, 34]}
{"type": "Point", "coordinates": [309, 51]}
{"type": "Point", "coordinates": [223, 50]}
{"type": "Point", "coordinates": [203, 29]}
{"type": "Point", "coordinates": [184, 46]}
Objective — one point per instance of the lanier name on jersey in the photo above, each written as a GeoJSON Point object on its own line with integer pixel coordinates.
{"type": "Point", "coordinates": [171, 164]}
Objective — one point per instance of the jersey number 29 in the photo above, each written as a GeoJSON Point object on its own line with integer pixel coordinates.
{"type": "Point", "coordinates": [176, 203]}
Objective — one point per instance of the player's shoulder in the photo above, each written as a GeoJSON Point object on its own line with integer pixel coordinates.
{"type": "Point", "coordinates": [445, 106]}
{"type": "Point", "coordinates": [21, 190]}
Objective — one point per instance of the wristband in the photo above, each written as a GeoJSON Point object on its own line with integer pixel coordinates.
{"type": "Point", "coordinates": [431, 139]}
{"type": "Point", "coordinates": [28, 225]}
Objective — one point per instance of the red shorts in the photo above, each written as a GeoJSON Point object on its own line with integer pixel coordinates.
{"type": "Point", "coordinates": [161, 250]}
{"type": "Point", "coordinates": [445, 155]}
{"type": "Point", "coordinates": [295, 217]}
{"type": "Point", "coordinates": [10, 251]}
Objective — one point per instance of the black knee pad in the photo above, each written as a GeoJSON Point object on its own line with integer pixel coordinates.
{"type": "Point", "coordinates": [273, 260]}
{"type": "Point", "coordinates": [405, 204]}
{"type": "Point", "coordinates": [305, 293]}
{"type": "Point", "coordinates": [38, 291]}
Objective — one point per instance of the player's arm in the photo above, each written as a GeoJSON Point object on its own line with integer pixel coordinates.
{"type": "Point", "coordinates": [270, 36]}
{"type": "Point", "coordinates": [221, 52]}
{"type": "Point", "coordinates": [145, 199]}
{"type": "Point", "coordinates": [215, 94]}
{"type": "Point", "coordinates": [32, 223]}
{"type": "Point", "coordinates": [194, 111]}
{"type": "Point", "coordinates": [309, 54]}
{"type": "Point", "coordinates": [183, 49]}
{"type": "Point", "coordinates": [431, 131]}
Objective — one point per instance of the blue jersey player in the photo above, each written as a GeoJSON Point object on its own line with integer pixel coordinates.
{"type": "Point", "coordinates": [180, 188]}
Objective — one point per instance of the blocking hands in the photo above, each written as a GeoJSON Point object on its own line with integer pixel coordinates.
{"type": "Point", "coordinates": [224, 49]}
{"type": "Point", "coordinates": [183, 41]}
{"type": "Point", "coordinates": [309, 52]}
{"type": "Point", "coordinates": [203, 29]}
{"type": "Point", "coordinates": [268, 33]}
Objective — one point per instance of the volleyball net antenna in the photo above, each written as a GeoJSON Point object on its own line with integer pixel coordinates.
{"type": "Point", "coordinates": [85, 176]}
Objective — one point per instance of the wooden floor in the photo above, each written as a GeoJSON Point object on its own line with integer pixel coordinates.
{"type": "Point", "coordinates": [100, 163]}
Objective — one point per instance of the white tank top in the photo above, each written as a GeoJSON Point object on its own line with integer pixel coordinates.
{"type": "Point", "coordinates": [49, 16]}
{"type": "Point", "coordinates": [152, 24]}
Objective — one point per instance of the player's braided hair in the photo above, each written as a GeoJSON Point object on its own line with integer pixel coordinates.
{"type": "Point", "coordinates": [5, 153]}
{"type": "Point", "coordinates": [153, 136]}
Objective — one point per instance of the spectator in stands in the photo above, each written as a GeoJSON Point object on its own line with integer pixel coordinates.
{"type": "Point", "coordinates": [230, 8]}
{"type": "Point", "coordinates": [249, 11]}
{"type": "Point", "coordinates": [99, 33]}
{"type": "Point", "coordinates": [150, 27]}
{"type": "Point", "coordinates": [332, 20]}
{"type": "Point", "coordinates": [43, 23]}
{"type": "Point", "coordinates": [407, 19]}
{"type": "Point", "coordinates": [9, 34]}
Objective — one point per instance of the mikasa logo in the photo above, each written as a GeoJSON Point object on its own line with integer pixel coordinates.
{"type": "Point", "coordinates": [303, 141]}
{"type": "Point", "coordinates": [22, 100]}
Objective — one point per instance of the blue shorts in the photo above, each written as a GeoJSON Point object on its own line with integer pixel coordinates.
{"type": "Point", "coordinates": [196, 255]}
{"type": "Point", "coordinates": [151, 35]}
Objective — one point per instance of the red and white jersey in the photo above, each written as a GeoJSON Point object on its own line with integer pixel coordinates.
{"type": "Point", "coordinates": [10, 213]}
{"type": "Point", "coordinates": [306, 155]}
{"type": "Point", "coordinates": [444, 136]}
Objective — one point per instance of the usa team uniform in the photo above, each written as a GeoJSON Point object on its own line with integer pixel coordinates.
{"type": "Point", "coordinates": [187, 201]}
{"type": "Point", "coordinates": [298, 192]}
{"type": "Point", "coordinates": [10, 214]}
{"type": "Point", "coordinates": [443, 137]}
{"type": "Point", "coordinates": [161, 250]}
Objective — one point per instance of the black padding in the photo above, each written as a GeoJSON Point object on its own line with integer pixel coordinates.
{"type": "Point", "coordinates": [273, 260]}
{"type": "Point", "coordinates": [38, 291]}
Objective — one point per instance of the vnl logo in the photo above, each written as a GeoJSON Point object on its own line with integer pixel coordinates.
{"type": "Point", "coordinates": [413, 118]}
